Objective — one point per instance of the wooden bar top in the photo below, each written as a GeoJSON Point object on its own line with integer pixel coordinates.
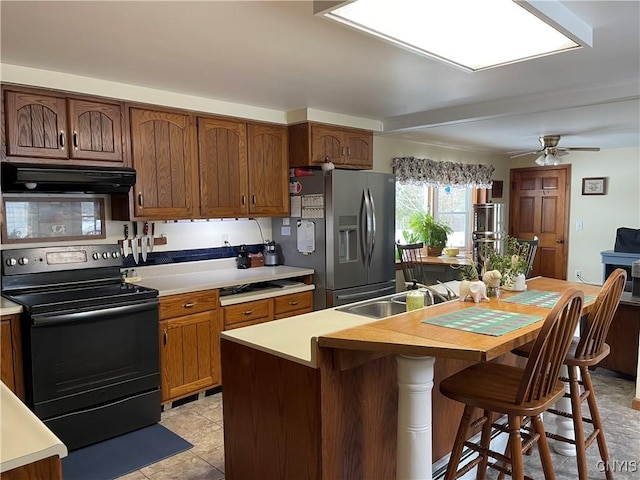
{"type": "Point", "coordinates": [406, 334]}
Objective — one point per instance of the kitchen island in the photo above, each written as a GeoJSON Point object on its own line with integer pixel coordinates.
{"type": "Point", "coordinates": [314, 403]}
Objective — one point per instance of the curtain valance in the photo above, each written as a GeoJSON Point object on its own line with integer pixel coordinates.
{"type": "Point", "coordinates": [441, 174]}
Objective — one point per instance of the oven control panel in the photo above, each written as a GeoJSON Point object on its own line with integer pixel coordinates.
{"type": "Point", "coordinates": [50, 259]}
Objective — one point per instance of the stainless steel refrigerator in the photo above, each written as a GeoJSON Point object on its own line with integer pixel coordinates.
{"type": "Point", "coordinates": [342, 225]}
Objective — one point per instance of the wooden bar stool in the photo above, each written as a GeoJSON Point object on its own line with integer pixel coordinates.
{"type": "Point", "coordinates": [516, 392]}
{"type": "Point", "coordinates": [586, 352]}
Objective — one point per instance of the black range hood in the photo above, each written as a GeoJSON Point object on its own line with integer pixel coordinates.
{"type": "Point", "coordinates": [37, 178]}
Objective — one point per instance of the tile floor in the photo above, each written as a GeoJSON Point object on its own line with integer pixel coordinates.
{"type": "Point", "coordinates": [200, 422]}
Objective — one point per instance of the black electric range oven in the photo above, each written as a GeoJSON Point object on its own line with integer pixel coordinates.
{"type": "Point", "coordinates": [90, 341]}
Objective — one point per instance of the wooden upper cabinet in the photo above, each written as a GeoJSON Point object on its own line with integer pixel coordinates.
{"type": "Point", "coordinates": [312, 144]}
{"type": "Point", "coordinates": [36, 125]}
{"type": "Point", "coordinates": [268, 170]}
{"type": "Point", "coordinates": [163, 156]}
{"type": "Point", "coordinates": [222, 159]}
{"type": "Point", "coordinates": [96, 130]}
{"type": "Point", "coordinates": [57, 127]}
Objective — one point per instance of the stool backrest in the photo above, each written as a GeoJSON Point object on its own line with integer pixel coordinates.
{"type": "Point", "coordinates": [411, 261]}
{"type": "Point", "coordinates": [599, 320]}
{"type": "Point", "coordinates": [550, 348]}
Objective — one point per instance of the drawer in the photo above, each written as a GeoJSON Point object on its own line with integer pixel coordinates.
{"type": "Point", "coordinates": [247, 311]}
{"type": "Point", "coordinates": [187, 303]}
{"type": "Point", "coordinates": [302, 301]}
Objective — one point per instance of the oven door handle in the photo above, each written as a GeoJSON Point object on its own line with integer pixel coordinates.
{"type": "Point", "coordinates": [53, 318]}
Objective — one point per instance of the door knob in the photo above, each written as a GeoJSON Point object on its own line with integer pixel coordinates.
{"type": "Point", "coordinates": [560, 241]}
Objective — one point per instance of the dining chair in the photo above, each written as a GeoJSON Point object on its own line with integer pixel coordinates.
{"type": "Point", "coordinates": [411, 261]}
{"type": "Point", "coordinates": [531, 253]}
{"type": "Point", "coordinates": [518, 393]}
{"type": "Point", "coordinates": [586, 352]}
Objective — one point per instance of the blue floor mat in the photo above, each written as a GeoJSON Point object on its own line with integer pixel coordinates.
{"type": "Point", "coordinates": [124, 454]}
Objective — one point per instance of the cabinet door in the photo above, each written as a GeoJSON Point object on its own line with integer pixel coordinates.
{"type": "Point", "coordinates": [162, 154]}
{"type": "Point", "coordinates": [326, 143]}
{"type": "Point", "coordinates": [190, 355]}
{"type": "Point", "coordinates": [359, 150]}
{"type": "Point", "coordinates": [96, 130]}
{"type": "Point", "coordinates": [6, 355]}
{"type": "Point", "coordinates": [268, 170]}
{"type": "Point", "coordinates": [36, 125]}
{"type": "Point", "coordinates": [222, 159]}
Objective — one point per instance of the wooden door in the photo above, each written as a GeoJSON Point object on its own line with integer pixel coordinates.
{"type": "Point", "coordinates": [96, 130]}
{"type": "Point", "coordinates": [539, 206]}
{"type": "Point", "coordinates": [189, 354]}
{"type": "Point", "coordinates": [162, 154]}
{"type": "Point", "coordinates": [359, 150]}
{"type": "Point", "coordinates": [222, 159]}
{"type": "Point", "coordinates": [36, 125]}
{"type": "Point", "coordinates": [326, 143]}
{"type": "Point", "coordinates": [268, 170]}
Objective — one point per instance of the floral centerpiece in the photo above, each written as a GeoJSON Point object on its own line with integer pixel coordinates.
{"type": "Point", "coordinates": [512, 265]}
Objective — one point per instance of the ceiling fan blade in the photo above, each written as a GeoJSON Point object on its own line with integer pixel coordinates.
{"type": "Point", "coordinates": [582, 149]}
{"type": "Point", "coordinates": [525, 153]}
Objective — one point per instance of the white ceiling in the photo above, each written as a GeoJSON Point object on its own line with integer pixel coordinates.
{"type": "Point", "coordinates": [278, 55]}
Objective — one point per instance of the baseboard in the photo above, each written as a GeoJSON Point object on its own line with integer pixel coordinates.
{"type": "Point", "coordinates": [635, 404]}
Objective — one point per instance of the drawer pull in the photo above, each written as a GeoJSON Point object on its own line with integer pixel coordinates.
{"type": "Point", "coordinates": [248, 312]}
{"type": "Point", "coordinates": [188, 305]}
{"type": "Point", "coordinates": [295, 302]}
{"type": "Point", "coordinates": [166, 336]}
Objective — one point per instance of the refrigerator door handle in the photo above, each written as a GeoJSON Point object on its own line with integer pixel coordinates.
{"type": "Point", "coordinates": [366, 234]}
{"type": "Point", "coordinates": [372, 204]}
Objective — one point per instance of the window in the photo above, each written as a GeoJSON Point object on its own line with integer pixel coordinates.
{"type": "Point", "coordinates": [451, 205]}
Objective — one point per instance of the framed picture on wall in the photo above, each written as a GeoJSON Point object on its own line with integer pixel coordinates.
{"type": "Point", "coordinates": [593, 186]}
{"type": "Point", "coordinates": [496, 189]}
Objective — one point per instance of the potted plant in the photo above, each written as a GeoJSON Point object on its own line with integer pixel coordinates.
{"type": "Point", "coordinates": [512, 265]}
{"type": "Point", "coordinates": [433, 233]}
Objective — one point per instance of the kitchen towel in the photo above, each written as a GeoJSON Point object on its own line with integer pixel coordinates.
{"type": "Point", "coordinates": [124, 454]}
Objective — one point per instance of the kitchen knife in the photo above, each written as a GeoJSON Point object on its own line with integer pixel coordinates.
{"type": "Point", "coordinates": [134, 244]}
{"type": "Point", "coordinates": [145, 236]}
{"type": "Point", "coordinates": [153, 233]}
{"type": "Point", "coordinates": [125, 242]}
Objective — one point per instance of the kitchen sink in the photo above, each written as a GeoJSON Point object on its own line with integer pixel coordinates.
{"type": "Point", "coordinates": [375, 308]}
{"type": "Point", "coordinates": [387, 306]}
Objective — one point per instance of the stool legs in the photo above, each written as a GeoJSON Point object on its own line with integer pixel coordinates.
{"type": "Point", "coordinates": [576, 412]}
{"type": "Point", "coordinates": [543, 448]}
{"type": "Point", "coordinates": [515, 447]}
{"type": "Point", "coordinates": [597, 422]}
{"type": "Point", "coordinates": [456, 453]}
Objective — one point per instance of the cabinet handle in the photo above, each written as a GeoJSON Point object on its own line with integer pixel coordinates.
{"type": "Point", "coordinates": [75, 139]}
{"type": "Point", "coordinates": [293, 303]}
{"type": "Point", "coordinates": [348, 151]}
{"type": "Point", "coordinates": [342, 151]}
{"type": "Point", "coordinates": [253, 199]}
{"type": "Point", "coordinates": [166, 336]}
{"type": "Point", "coordinates": [243, 200]}
{"type": "Point", "coordinates": [248, 312]}
{"type": "Point", "coordinates": [139, 199]}
{"type": "Point", "coordinates": [188, 305]}
{"type": "Point", "coordinates": [62, 139]}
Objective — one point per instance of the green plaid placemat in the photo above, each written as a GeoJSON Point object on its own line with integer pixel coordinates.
{"type": "Point", "coordinates": [539, 298]}
{"type": "Point", "coordinates": [483, 320]}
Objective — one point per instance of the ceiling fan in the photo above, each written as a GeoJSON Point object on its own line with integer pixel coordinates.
{"type": "Point", "coordinates": [550, 152]}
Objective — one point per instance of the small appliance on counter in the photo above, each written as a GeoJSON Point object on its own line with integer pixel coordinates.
{"type": "Point", "coordinates": [242, 260]}
{"type": "Point", "coordinates": [271, 258]}
{"type": "Point", "coordinates": [635, 279]}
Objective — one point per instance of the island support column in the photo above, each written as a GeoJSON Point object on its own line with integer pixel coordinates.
{"type": "Point", "coordinates": [415, 383]}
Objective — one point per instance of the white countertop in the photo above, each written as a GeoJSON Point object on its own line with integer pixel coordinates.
{"type": "Point", "coordinates": [295, 338]}
{"type": "Point", "coordinates": [187, 277]}
{"type": "Point", "coordinates": [24, 438]}
{"type": "Point", "coordinates": [7, 307]}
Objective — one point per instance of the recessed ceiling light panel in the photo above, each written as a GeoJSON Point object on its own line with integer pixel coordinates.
{"type": "Point", "coordinates": [471, 34]}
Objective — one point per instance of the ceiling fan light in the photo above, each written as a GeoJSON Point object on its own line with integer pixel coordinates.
{"type": "Point", "coordinates": [540, 160]}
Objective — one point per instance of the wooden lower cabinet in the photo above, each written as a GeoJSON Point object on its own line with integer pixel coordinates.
{"type": "Point", "coordinates": [11, 354]}
{"type": "Point", "coordinates": [189, 344]}
{"type": "Point", "coordinates": [335, 421]}
{"type": "Point", "coordinates": [265, 310]}
{"type": "Point", "coordinates": [622, 338]}
{"type": "Point", "coordinates": [49, 468]}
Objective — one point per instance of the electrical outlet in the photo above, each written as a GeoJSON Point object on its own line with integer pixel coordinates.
{"type": "Point", "coordinates": [579, 225]}
{"type": "Point", "coordinates": [578, 273]}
